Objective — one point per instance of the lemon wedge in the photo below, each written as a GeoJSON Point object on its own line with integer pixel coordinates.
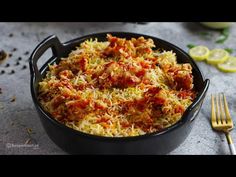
{"type": "Point", "coordinates": [229, 65]}
{"type": "Point", "coordinates": [199, 53]}
{"type": "Point", "coordinates": [217, 56]}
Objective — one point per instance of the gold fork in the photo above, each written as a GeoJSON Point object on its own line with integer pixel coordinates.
{"type": "Point", "coordinates": [221, 119]}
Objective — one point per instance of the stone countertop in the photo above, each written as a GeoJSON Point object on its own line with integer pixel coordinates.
{"type": "Point", "coordinates": [19, 121]}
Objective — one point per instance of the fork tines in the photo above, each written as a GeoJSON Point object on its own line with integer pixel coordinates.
{"type": "Point", "coordinates": [220, 111]}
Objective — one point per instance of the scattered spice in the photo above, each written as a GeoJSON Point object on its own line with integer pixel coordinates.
{"type": "Point", "coordinates": [13, 99]}
{"type": "Point", "coordinates": [11, 35]}
{"type": "Point", "coordinates": [2, 72]}
{"type": "Point", "coordinates": [10, 55]}
{"type": "Point", "coordinates": [12, 72]}
{"type": "Point", "coordinates": [12, 123]}
{"type": "Point", "coordinates": [198, 142]}
{"type": "Point", "coordinates": [17, 63]}
{"type": "Point", "coordinates": [0, 90]}
{"type": "Point", "coordinates": [19, 58]}
{"type": "Point", "coordinates": [7, 65]}
{"type": "Point", "coordinates": [26, 53]}
{"type": "Point", "coordinates": [3, 55]}
{"type": "Point", "coordinates": [14, 49]}
{"type": "Point", "coordinates": [24, 67]}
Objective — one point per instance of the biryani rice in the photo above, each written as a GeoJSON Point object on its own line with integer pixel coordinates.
{"type": "Point", "coordinates": [117, 88]}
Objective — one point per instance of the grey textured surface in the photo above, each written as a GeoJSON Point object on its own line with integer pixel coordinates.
{"type": "Point", "coordinates": [18, 118]}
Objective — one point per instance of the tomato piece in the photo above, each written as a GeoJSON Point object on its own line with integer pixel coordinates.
{"type": "Point", "coordinates": [140, 73]}
{"type": "Point", "coordinates": [179, 109]}
{"type": "Point", "coordinates": [98, 106]}
{"type": "Point", "coordinates": [145, 65]}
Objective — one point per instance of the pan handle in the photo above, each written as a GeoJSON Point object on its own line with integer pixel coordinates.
{"type": "Point", "coordinates": [50, 42]}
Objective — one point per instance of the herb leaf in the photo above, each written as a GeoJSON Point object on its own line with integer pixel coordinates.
{"type": "Point", "coordinates": [230, 50]}
{"type": "Point", "coordinates": [221, 39]}
{"type": "Point", "coordinates": [190, 46]}
{"type": "Point", "coordinates": [224, 36]}
{"type": "Point", "coordinates": [225, 31]}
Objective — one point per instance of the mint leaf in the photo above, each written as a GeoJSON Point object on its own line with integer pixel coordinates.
{"type": "Point", "coordinates": [230, 50]}
{"type": "Point", "coordinates": [190, 46]}
{"type": "Point", "coordinates": [224, 36]}
{"type": "Point", "coordinates": [221, 39]}
{"type": "Point", "coordinates": [225, 32]}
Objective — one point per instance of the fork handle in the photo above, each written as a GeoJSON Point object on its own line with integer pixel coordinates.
{"type": "Point", "coordinates": [231, 144]}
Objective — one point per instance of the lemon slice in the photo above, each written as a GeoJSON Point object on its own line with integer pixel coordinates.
{"type": "Point", "coordinates": [199, 53]}
{"type": "Point", "coordinates": [229, 65]}
{"type": "Point", "coordinates": [217, 56]}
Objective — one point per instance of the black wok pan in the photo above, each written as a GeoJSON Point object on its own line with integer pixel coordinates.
{"type": "Point", "coordinates": [76, 142]}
